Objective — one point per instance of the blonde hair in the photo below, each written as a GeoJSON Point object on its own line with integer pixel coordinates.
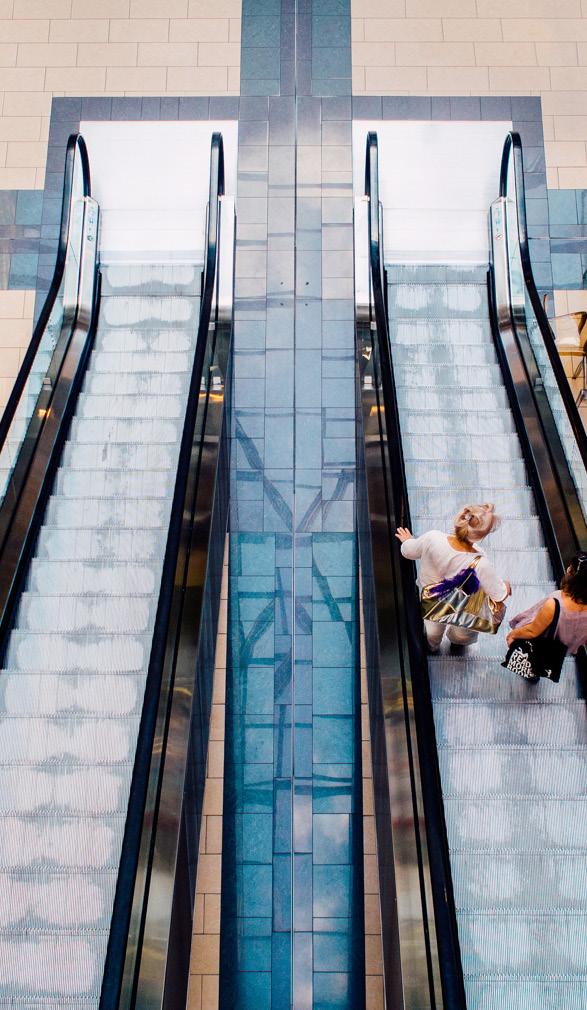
{"type": "Point", "coordinates": [474, 522]}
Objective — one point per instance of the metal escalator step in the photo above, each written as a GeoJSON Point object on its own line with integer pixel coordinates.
{"type": "Point", "coordinates": [511, 502]}
{"type": "Point", "coordinates": [451, 422]}
{"type": "Point", "coordinates": [437, 273]}
{"type": "Point", "coordinates": [108, 430]}
{"type": "Point", "coordinates": [487, 723]}
{"type": "Point", "coordinates": [426, 397]}
{"type": "Point", "coordinates": [43, 900]}
{"type": "Point", "coordinates": [139, 341]}
{"type": "Point", "coordinates": [105, 513]}
{"type": "Point", "coordinates": [482, 475]}
{"type": "Point", "coordinates": [467, 301]}
{"type": "Point", "coordinates": [430, 355]}
{"type": "Point", "coordinates": [139, 383]}
{"type": "Point", "coordinates": [76, 736]}
{"type": "Point", "coordinates": [530, 947]}
{"type": "Point", "coordinates": [141, 361]}
{"type": "Point", "coordinates": [148, 311]}
{"type": "Point", "coordinates": [93, 406]}
{"type": "Point", "coordinates": [40, 694]}
{"type": "Point", "coordinates": [84, 456]}
{"type": "Point", "coordinates": [89, 652]}
{"type": "Point", "coordinates": [67, 790]}
{"type": "Point", "coordinates": [104, 575]}
{"type": "Point", "coordinates": [453, 337]}
{"type": "Point", "coordinates": [484, 679]}
{"type": "Point", "coordinates": [114, 483]}
{"type": "Point", "coordinates": [445, 446]}
{"type": "Point", "coordinates": [448, 375]}
{"type": "Point", "coordinates": [501, 882]}
{"type": "Point", "coordinates": [63, 544]}
{"type": "Point", "coordinates": [53, 841]}
{"type": "Point", "coordinates": [512, 771]}
{"type": "Point", "coordinates": [534, 992]}
{"type": "Point", "coordinates": [141, 279]}
{"type": "Point", "coordinates": [71, 615]}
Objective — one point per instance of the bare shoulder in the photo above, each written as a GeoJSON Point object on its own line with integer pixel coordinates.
{"type": "Point", "coordinates": [547, 609]}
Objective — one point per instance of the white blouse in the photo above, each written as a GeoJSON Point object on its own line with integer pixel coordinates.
{"type": "Point", "coordinates": [438, 560]}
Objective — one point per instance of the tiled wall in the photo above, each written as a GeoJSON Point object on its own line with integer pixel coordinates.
{"type": "Point", "coordinates": [568, 237]}
{"type": "Point", "coordinates": [483, 47]}
{"type": "Point", "coordinates": [115, 47]}
{"type": "Point", "coordinates": [16, 315]}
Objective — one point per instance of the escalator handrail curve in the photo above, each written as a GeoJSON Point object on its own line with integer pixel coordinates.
{"type": "Point", "coordinates": [513, 149]}
{"type": "Point", "coordinates": [116, 957]}
{"type": "Point", "coordinates": [75, 147]}
{"type": "Point", "coordinates": [412, 631]}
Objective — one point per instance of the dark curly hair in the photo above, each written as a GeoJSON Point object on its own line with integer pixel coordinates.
{"type": "Point", "coordinates": [574, 581]}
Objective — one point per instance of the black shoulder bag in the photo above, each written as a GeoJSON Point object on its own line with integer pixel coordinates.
{"type": "Point", "coordinates": [533, 658]}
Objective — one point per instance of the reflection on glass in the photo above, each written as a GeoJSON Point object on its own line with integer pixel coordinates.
{"type": "Point", "coordinates": [35, 396]}
{"type": "Point", "coordinates": [524, 314]}
{"type": "Point", "coordinates": [561, 418]}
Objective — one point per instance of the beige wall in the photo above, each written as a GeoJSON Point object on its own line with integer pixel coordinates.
{"type": "Point", "coordinates": [16, 316]}
{"type": "Point", "coordinates": [104, 47]}
{"type": "Point", "coordinates": [482, 47]}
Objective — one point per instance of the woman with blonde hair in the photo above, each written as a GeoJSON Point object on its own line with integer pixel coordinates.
{"type": "Point", "coordinates": [441, 557]}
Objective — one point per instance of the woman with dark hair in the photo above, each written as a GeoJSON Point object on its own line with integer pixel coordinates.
{"type": "Point", "coordinates": [571, 629]}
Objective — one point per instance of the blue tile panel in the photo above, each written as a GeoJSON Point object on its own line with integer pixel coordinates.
{"type": "Point", "coordinates": [567, 209]}
{"type": "Point", "coordinates": [293, 775]}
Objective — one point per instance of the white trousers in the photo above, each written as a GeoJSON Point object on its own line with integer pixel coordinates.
{"type": "Point", "coordinates": [456, 635]}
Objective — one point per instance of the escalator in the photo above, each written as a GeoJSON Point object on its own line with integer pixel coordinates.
{"type": "Point", "coordinates": [114, 461]}
{"type": "Point", "coordinates": [463, 400]}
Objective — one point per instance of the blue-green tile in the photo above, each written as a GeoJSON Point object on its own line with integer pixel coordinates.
{"type": "Point", "coordinates": [332, 838]}
{"type": "Point", "coordinates": [333, 691]}
{"type": "Point", "coordinates": [332, 891]}
{"type": "Point", "coordinates": [332, 788]}
{"type": "Point", "coordinates": [254, 953]}
{"type": "Point", "coordinates": [333, 643]}
{"type": "Point", "coordinates": [333, 952]}
{"type": "Point", "coordinates": [333, 739]}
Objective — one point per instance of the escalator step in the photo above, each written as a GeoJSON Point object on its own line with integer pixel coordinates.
{"type": "Point", "coordinates": [138, 383]}
{"type": "Point", "coordinates": [451, 422]}
{"type": "Point", "coordinates": [467, 721]}
{"type": "Point", "coordinates": [511, 502]}
{"type": "Point", "coordinates": [114, 483]}
{"type": "Point", "coordinates": [480, 476]}
{"type": "Point", "coordinates": [482, 678]}
{"type": "Point", "coordinates": [47, 694]}
{"type": "Point", "coordinates": [76, 616]}
{"type": "Point", "coordinates": [105, 513]}
{"type": "Point", "coordinates": [454, 337]}
{"type": "Point", "coordinates": [65, 545]}
{"type": "Point", "coordinates": [512, 772]}
{"type": "Point", "coordinates": [82, 653]}
{"type": "Point", "coordinates": [84, 456]}
{"type": "Point", "coordinates": [108, 430]}
{"type": "Point", "coordinates": [104, 575]}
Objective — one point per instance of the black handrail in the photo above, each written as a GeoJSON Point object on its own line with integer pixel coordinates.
{"type": "Point", "coordinates": [75, 144]}
{"type": "Point", "coordinates": [137, 833]}
{"type": "Point", "coordinates": [23, 505]}
{"type": "Point", "coordinates": [513, 148]}
{"type": "Point", "coordinates": [560, 510]}
{"type": "Point", "coordinates": [398, 514]}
